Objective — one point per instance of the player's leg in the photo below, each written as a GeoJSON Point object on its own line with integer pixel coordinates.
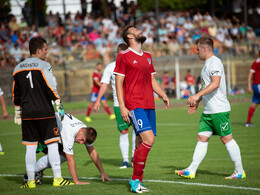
{"type": "Point", "coordinates": [133, 146]}
{"type": "Point", "coordinates": [89, 109]}
{"type": "Point", "coordinates": [254, 104]}
{"type": "Point", "coordinates": [205, 131]}
{"type": "Point", "coordinates": [123, 138]}
{"type": "Point", "coordinates": [1, 150]}
{"type": "Point", "coordinates": [106, 107]}
{"type": "Point", "coordinates": [144, 123]}
{"type": "Point", "coordinates": [235, 155]}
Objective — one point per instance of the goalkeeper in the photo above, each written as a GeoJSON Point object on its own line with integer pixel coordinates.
{"type": "Point", "coordinates": [33, 90]}
{"type": "Point", "coordinates": [72, 131]}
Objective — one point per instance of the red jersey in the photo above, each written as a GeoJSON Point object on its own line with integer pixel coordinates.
{"type": "Point", "coordinates": [256, 70]}
{"type": "Point", "coordinates": [137, 69]}
{"type": "Point", "coordinates": [190, 80]}
{"type": "Point", "coordinates": [165, 80]}
{"type": "Point", "coordinates": [96, 76]}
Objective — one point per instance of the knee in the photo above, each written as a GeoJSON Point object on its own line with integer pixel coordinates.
{"type": "Point", "coordinates": [202, 138]}
{"type": "Point", "coordinates": [150, 140]}
{"type": "Point", "coordinates": [125, 131]}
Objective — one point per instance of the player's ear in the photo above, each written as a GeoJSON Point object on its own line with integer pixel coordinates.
{"type": "Point", "coordinates": [130, 36]}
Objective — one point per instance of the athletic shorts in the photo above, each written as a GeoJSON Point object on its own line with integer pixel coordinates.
{"type": "Point", "coordinates": [143, 120]}
{"type": "Point", "coordinates": [44, 130]}
{"type": "Point", "coordinates": [121, 124]}
{"type": "Point", "coordinates": [43, 148]}
{"type": "Point", "coordinates": [93, 97]}
{"type": "Point", "coordinates": [256, 95]}
{"type": "Point", "coordinates": [217, 123]}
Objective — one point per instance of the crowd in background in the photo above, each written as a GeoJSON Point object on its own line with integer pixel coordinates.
{"type": "Point", "coordinates": [95, 35]}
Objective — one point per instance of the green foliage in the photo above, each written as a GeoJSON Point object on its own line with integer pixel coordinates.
{"type": "Point", "coordinates": [170, 5]}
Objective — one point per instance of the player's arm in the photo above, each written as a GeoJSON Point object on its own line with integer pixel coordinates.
{"type": "Point", "coordinates": [101, 92]}
{"type": "Point", "coordinates": [207, 90]}
{"type": "Point", "coordinates": [97, 82]}
{"type": "Point", "coordinates": [95, 158]}
{"type": "Point", "coordinates": [120, 96]}
{"type": "Point", "coordinates": [2, 100]}
{"type": "Point", "coordinates": [157, 89]}
{"type": "Point", "coordinates": [249, 81]}
{"type": "Point", "coordinates": [72, 169]}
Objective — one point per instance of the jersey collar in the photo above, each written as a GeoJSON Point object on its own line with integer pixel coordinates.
{"type": "Point", "coordinates": [140, 54]}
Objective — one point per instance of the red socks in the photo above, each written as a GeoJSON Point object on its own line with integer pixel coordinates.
{"type": "Point", "coordinates": [139, 160]}
{"type": "Point", "coordinates": [250, 114]}
{"type": "Point", "coordinates": [89, 111]}
{"type": "Point", "coordinates": [108, 110]}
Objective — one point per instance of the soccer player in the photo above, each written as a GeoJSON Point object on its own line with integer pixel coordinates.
{"type": "Point", "coordinates": [255, 73]}
{"type": "Point", "coordinates": [94, 93]}
{"type": "Point", "coordinates": [121, 124]}
{"type": "Point", "coordinates": [135, 83]}
{"type": "Point", "coordinates": [72, 130]}
{"type": "Point", "coordinates": [215, 117]}
{"type": "Point", "coordinates": [5, 114]}
{"type": "Point", "coordinates": [33, 91]}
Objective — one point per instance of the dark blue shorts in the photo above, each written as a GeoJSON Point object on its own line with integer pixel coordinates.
{"type": "Point", "coordinates": [256, 95]}
{"type": "Point", "coordinates": [143, 120]}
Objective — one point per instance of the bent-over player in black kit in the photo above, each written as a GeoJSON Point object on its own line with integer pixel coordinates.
{"type": "Point", "coordinates": [33, 90]}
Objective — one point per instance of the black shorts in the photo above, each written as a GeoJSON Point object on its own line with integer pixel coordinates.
{"type": "Point", "coordinates": [44, 130]}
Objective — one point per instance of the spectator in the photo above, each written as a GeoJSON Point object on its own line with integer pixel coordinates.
{"type": "Point", "coordinates": [27, 12]}
{"type": "Point", "coordinates": [190, 81]}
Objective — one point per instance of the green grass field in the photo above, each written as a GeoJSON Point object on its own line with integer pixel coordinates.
{"type": "Point", "coordinates": [173, 149]}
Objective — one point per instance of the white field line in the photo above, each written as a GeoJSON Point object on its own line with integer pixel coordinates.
{"type": "Point", "coordinates": [155, 181]}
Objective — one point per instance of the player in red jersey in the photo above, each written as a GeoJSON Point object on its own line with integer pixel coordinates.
{"type": "Point", "coordinates": [190, 80]}
{"type": "Point", "coordinates": [255, 73]}
{"type": "Point", "coordinates": [135, 83]}
{"type": "Point", "coordinates": [94, 94]}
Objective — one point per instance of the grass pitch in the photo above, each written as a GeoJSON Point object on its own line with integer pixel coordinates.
{"type": "Point", "coordinates": [173, 149]}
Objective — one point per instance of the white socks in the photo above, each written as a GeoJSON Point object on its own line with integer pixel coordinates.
{"type": "Point", "coordinates": [198, 156]}
{"type": "Point", "coordinates": [1, 149]}
{"type": "Point", "coordinates": [30, 160]}
{"type": "Point", "coordinates": [234, 153]}
{"type": "Point", "coordinates": [43, 163]}
{"type": "Point", "coordinates": [133, 143]}
{"type": "Point", "coordinates": [54, 159]}
{"type": "Point", "coordinates": [124, 146]}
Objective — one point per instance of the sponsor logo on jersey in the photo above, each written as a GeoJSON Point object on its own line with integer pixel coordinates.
{"type": "Point", "coordinates": [135, 62]}
{"type": "Point", "coordinates": [214, 72]}
{"type": "Point", "coordinates": [224, 126]}
{"type": "Point", "coordinates": [149, 60]}
{"type": "Point", "coordinates": [56, 131]}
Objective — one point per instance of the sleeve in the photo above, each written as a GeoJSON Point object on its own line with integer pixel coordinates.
{"type": "Point", "coordinates": [50, 81]}
{"type": "Point", "coordinates": [120, 68]}
{"type": "Point", "coordinates": [67, 141]}
{"type": "Point", "coordinates": [253, 67]}
{"type": "Point", "coordinates": [16, 93]}
{"type": "Point", "coordinates": [152, 67]}
{"type": "Point", "coordinates": [215, 69]}
{"type": "Point", "coordinates": [95, 76]}
{"type": "Point", "coordinates": [107, 75]}
{"type": "Point", "coordinates": [1, 92]}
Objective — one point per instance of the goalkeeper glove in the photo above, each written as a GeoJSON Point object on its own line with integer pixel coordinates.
{"type": "Point", "coordinates": [60, 109]}
{"type": "Point", "coordinates": [17, 116]}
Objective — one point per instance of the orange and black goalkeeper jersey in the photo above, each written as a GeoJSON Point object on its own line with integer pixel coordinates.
{"type": "Point", "coordinates": [33, 89]}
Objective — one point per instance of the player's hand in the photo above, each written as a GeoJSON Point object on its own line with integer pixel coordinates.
{"type": "Point", "coordinates": [249, 89]}
{"type": "Point", "coordinates": [104, 177]}
{"type": "Point", "coordinates": [125, 114]}
{"type": "Point", "coordinates": [60, 109]}
{"type": "Point", "coordinates": [193, 109]}
{"type": "Point", "coordinates": [81, 183]}
{"type": "Point", "coordinates": [96, 106]}
{"type": "Point", "coordinates": [166, 102]}
{"type": "Point", "coordinates": [5, 115]}
{"type": "Point", "coordinates": [17, 115]}
{"type": "Point", "coordinates": [192, 101]}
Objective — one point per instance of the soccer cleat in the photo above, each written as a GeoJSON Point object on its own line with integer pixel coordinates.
{"type": "Point", "coordinates": [29, 184]}
{"type": "Point", "coordinates": [38, 177]}
{"type": "Point", "coordinates": [62, 182]}
{"type": "Point", "coordinates": [185, 173]}
{"type": "Point", "coordinates": [236, 175]}
{"type": "Point", "coordinates": [88, 119]}
{"type": "Point", "coordinates": [249, 124]}
{"type": "Point", "coordinates": [143, 188]}
{"type": "Point", "coordinates": [112, 116]}
{"type": "Point", "coordinates": [2, 153]}
{"type": "Point", "coordinates": [136, 186]}
{"type": "Point", "coordinates": [125, 165]}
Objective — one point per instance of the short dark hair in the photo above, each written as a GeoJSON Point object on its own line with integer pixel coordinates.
{"type": "Point", "coordinates": [206, 41]}
{"type": "Point", "coordinates": [36, 43]}
{"type": "Point", "coordinates": [126, 32]}
{"type": "Point", "coordinates": [91, 134]}
{"type": "Point", "coordinates": [122, 46]}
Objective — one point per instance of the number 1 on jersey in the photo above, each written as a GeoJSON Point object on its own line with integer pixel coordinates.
{"type": "Point", "coordinates": [29, 76]}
